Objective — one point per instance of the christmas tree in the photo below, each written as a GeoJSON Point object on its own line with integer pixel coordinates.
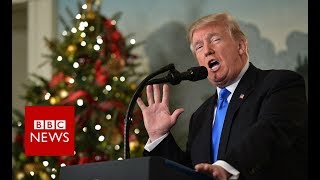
{"type": "Point", "coordinates": [95, 71]}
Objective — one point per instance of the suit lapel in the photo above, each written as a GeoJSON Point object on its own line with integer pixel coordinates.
{"type": "Point", "coordinates": [201, 149]}
{"type": "Point", "coordinates": [243, 90]}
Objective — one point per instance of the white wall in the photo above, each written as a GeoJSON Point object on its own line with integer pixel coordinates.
{"type": "Point", "coordinates": [19, 52]}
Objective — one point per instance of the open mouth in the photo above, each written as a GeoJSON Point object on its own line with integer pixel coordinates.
{"type": "Point", "coordinates": [213, 63]}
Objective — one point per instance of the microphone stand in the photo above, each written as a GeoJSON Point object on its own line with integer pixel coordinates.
{"type": "Point", "coordinates": [128, 118]}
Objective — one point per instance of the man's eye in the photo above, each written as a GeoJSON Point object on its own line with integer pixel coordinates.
{"type": "Point", "coordinates": [215, 39]}
{"type": "Point", "coordinates": [198, 47]}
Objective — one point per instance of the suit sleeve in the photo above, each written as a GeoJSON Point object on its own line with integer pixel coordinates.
{"type": "Point", "coordinates": [169, 149]}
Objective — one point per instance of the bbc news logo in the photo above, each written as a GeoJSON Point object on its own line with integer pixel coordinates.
{"type": "Point", "coordinates": [49, 130]}
{"type": "Point", "coordinates": [49, 136]}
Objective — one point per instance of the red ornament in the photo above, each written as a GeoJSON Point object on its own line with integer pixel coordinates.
{"type": "Point", "coordinates": [56, 79]}
{"type": "Point", "coordinates": [101, 74]}
{"type": "Point", "coordinates": [116, 36]}
{"type": "Point", "coordinates": [67, 160]}
{"type": "Point", "coordinates": [115, 48]}
{"type": "Point", "coordinates": [84, 160]}
{"type": "Point", "coordinates": [108, 25]}
{"type": "Point", "coordinates": [132, 137]}
{"type": "Point", "coordinates": [73, 96]}
{"type": "Point", "coordinates": [18, 138]}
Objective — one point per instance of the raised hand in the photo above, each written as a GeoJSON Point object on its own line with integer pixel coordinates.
{"type": "Point", "coordinates": [156, 116]}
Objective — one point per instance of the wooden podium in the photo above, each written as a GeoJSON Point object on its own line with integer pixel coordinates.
{"type": "Point", "coordinates": [145, 168]}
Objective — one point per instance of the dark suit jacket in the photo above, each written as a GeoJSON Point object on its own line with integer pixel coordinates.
{"type": "Point", "coordinates": [264, 134]}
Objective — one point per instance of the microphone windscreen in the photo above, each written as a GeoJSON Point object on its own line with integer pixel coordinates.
{"type": "Point", "coordinates": [198, 73]}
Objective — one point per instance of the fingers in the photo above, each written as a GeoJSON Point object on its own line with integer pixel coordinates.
{"type": "Point", "coordinates": [156, 93]}
{"type": "Point", "coordinates": [141, 104]}
{"type": "Point", "coordinates": [217, 172]}
{"type": "Point", "coordinates": [165, 96]}
{"type": "Point", "coordinates": [203, 167]}
{"type": "Point", "coordinates": [175, 115]}
{"type": "Point", "coordinates": [150, 95]}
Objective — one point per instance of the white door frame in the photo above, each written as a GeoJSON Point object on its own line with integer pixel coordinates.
{"type": "Point", "coordinates": [42, 21]}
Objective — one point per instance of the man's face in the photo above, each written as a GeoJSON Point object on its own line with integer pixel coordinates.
{"type": "Point", "coordinates": [215, 49]}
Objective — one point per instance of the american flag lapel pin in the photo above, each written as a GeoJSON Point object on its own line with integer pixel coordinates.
{"type": "Point", "coordinates": [241, 96]}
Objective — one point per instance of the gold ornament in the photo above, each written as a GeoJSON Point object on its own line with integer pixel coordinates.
{"type": "Point", "coordinates": [71, 49]}
{"type": "Point", "coordinates": [134, 145]}
{"type": "Point", "coordinates": [63, 93]}
{"type": "Point", "coordinates": [54, 100]}
{"type": "Point", "coordinates": [116, 136]}
{"type": "Point", "coordinates": [89, 4]}
{"type": "Point", "coordinates": [35, 167]}
{"type": "Point", "coordinates": [133, 86]}
{"type": "Point", "coordinates": [116, 65]}
{"type": "Point", "coordinates": [20, 175]}
{"type": "Point", "coordinates": [44, 175]}
{"type": "Point", "coordinates": [90, 15]}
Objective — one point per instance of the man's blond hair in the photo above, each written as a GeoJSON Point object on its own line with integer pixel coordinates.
{"type": "Point", "coordinates": [218, 18]}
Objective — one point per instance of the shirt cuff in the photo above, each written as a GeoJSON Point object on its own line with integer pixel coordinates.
{"type": "Point", "coordinates": [151, 145]}
{"type": "Point", "coordinates": [234, 173]}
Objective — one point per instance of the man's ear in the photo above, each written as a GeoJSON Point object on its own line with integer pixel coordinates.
{"type": "Point", "coordinates": [242, 46]}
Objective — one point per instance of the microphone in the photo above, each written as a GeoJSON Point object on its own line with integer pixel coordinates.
{"type": "Point", "coordinates": [174, 77]}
